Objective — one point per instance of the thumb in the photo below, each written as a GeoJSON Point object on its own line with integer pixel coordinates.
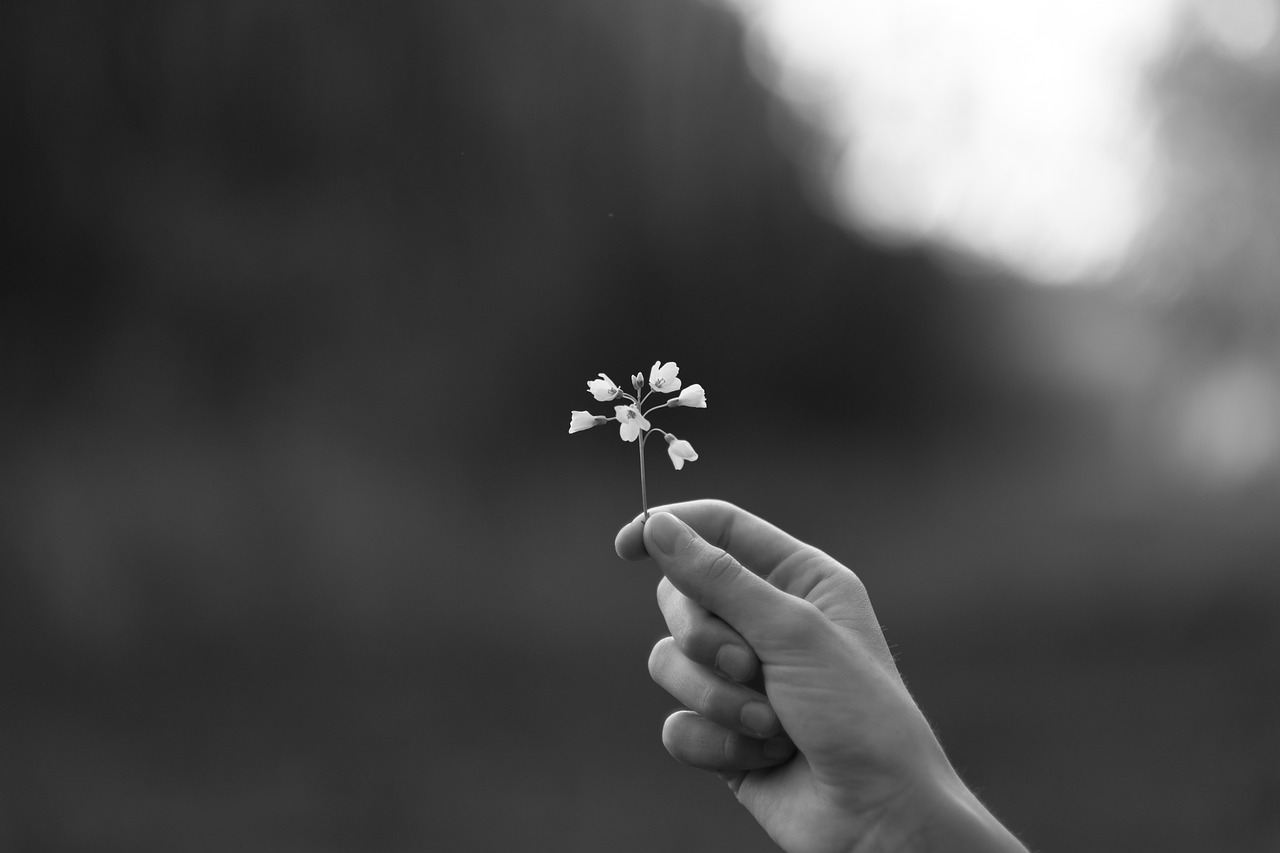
{"type": "Point", "coordinates": [713, 578]}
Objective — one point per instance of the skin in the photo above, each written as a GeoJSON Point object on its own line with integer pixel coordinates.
{"type": "Point", "coordinates": [792, 695]}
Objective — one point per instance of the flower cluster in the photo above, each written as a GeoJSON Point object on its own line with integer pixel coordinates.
{"type": "Point", "coordinates": [633, 418]}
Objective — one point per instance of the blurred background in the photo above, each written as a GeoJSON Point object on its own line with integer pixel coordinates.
{"type": "Point", "coordinates": [295, 550]}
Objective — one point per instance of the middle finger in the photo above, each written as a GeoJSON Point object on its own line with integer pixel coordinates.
{"type": "Point", "coordinates": [701, 689]}
{"type": "Point", "coordinates": [704, 637]}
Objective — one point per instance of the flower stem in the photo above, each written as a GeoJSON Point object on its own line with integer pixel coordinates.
{"type": "Point", "coordinates": [644, 493]}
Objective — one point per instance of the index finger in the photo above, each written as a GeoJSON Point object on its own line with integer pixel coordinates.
{"type": "Point", "coordinates": [757, 544]}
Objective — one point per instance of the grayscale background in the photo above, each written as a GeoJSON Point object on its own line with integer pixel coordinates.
{"type": "Point", "coordinates": [297, 555]}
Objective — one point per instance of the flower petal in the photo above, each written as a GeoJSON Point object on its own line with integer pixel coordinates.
{"type": "Point", "coordinates": [578, 421]}
{"type": "Point", "coordinates": [693, 396]}
{"type": "Point", "coordinates": [630, 421]}
{"type": "Point", "coordinates": [603, 389]}
{"type": "Point", "coordinates": [662, 377]}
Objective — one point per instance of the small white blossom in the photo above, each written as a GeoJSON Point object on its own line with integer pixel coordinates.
{"type": "Point", "coordinates": [578, 421]}
{"type": "Point", "coordinates": [633, 426]}
{"type": "Point", "coordinates": [663, 379]}
{"type": "Point", "coordinates": [603, 389]}
{"type": "Point", "coordinates": [680, 451]}
{"type": "Point", "coordinates": [693, 396]}
{"type": "Point", "coordinates": [631, 422]}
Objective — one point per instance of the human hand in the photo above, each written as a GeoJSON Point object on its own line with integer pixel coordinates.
{"type": "Point", "coordinates": [774, 643]}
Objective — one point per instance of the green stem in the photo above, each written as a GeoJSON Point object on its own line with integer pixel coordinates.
{"type": "Point", "coordinates": [655, 408]}
{"type": "Point", "coordinates": [644, 493]}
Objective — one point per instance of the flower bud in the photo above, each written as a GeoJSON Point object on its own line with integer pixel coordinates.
{"type": "Point", "coordinates": [578, 421]}
{"type": "Point", "coordinates": [692, 396]}
{"type": "Point", "coordinates": [680, 451]}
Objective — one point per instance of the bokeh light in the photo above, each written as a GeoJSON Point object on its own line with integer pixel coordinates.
{"type": "Point", "coordinates": [1021, 132]}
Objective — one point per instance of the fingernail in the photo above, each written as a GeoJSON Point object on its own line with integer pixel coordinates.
{"type": "Point", "coordinates": [758, 717]}
{"type": "Point", "coordinates": [735, 662]}
{"type": "Point", "coordinates": [776, 748]}
{"type": "Point", "coordinates": [668, 533]}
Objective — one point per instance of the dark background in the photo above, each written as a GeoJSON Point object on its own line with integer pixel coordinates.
{"type": "Point", "coordinates": [295, 551]}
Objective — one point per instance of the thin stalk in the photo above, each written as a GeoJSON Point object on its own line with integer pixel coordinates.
{"type": "Point", "coordinates": [644, 492]}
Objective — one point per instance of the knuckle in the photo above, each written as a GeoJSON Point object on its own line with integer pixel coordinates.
{"type": "Point", "coordinates": [729, 749]}
{"type": "Point", "coordinates": [705, 698]}
{"type": "Point", "coordinates": [803, 624]}
{"type": "Point", "coordinates": [721, 568]}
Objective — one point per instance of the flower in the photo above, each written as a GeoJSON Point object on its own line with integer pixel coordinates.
{"type": "Point", "coordinates": [632, 422]}
{"type": "Point", "coordinates": [680, 451]}
{"type": "Point", "coordinates": [663, 379]}
{"type": "Point", "coordinates": [631, 415]}
{"type": "Point", "coordinates": [603, 389]}
{"type": "Point", "coordinates": [693, 396]}
{"type": "Point", "coordinates": [578, 421]}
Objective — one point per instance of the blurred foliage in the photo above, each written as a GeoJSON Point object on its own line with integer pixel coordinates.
{"type": "Point", "coordinates": [255, 242]}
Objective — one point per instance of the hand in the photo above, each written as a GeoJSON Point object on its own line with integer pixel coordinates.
{"type": "Point", "coordinates": [774, 643]}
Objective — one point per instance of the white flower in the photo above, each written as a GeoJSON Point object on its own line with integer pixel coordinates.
{"type": "Point", "coordinates": [603, 388]}
{"type": "Point", "coordinates": [680, 451]}
{"type": "Point", "coordinates": [579, 421]}
{"type": "Point", "coordinates": [631, 421]}
{"type": "Point", "coordinates": [693, 396]}
{"type": "Point", "coordinates": [663, 379]}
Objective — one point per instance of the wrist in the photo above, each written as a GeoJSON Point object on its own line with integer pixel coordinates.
{"type": "Point", "coordinates": [942, 818]}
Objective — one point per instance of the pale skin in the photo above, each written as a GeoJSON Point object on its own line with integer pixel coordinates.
{"type": "Point", "coordinates": [791, 692]}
